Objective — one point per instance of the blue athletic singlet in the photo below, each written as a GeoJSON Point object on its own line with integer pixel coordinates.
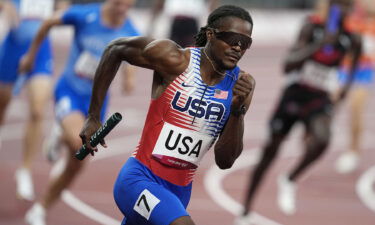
{"type": "Point", "coordinates": [18, 39]}
{"type": "Point", "coordinates": [91, 36]}
{"type": "Point", "coordinates": [181, 125]}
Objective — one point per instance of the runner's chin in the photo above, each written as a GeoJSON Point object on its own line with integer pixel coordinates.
{"type": "Point", "coordinates": [230, 63]}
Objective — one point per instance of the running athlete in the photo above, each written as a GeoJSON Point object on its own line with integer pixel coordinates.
{"type": "Point", "coordinates": [362, 21]}
{"type": "Point", "coordinates": [199, 96]}
{"type": "Point", "coordinates": [24, 23]}
{"type": "Point", "coordinates": [95, 25]}
{"type": "Point", "coordinates": [311, 68]}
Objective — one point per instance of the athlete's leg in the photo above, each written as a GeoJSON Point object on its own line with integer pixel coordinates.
{"type": "Point", "coordinates": [39, 93]}
{"type": "Point", "coordinates": [25, 188]}
{"type": "Point", "coordinates": [5, 97]}
{"type": "Point", "coordinates": [348, 161]}
{"type": "Point", "coordinates": [317, 140]}
{"type": "Point", "coordinates": [71, 126]}
{"type": "Point", "coordinates": [280, 125]}
{"type": "Point", "coordinates": [269, 153]}
{"type": "Point", "coordinates": [52, 143]}
{"type": "Point", "coordinates": [358, 99]}
{"type": "Point", "coordinates": [39, 88]}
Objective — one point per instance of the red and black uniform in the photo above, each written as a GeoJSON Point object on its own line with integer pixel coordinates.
{"type": "Point", "coordinates": [308, 87]}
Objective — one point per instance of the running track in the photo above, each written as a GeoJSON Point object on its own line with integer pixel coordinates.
{"type": "Point", "coordinates": [324, 197]}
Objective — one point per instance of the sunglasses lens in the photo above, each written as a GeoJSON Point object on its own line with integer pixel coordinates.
{"type": "Point", "coordinates": [235, 39]}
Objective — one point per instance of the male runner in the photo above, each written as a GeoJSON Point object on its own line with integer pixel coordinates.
{"type": "Point", "coordinates": [199, 96]}
{"type": "Point", "coordinates": [308, 97]}
{"type": "Point", "coordinates": [24, 23]}
{"type": "Point", "coordinates": [362, 21]}
{"type": "Point", "coordinates": [95, 25]}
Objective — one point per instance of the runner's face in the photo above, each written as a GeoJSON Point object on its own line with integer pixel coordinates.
{"type": "Point", "coordinates": [119, 8]}
{"type": "Point", "coordinates": [230, 41]}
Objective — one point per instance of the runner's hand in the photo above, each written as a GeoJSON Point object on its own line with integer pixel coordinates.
{"type": "Point", "coordinates": [90, 126]}
{"type": "Point", "coordinates": [241, 90]}
{"type": "Point", "coordinates": [26, 64]}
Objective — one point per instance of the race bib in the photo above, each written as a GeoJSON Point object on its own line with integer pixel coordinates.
{"type": "Point", "coordinates": [181, 148]}
{"type": "Point", "coordinates": [319, 76]}
{"type": "Point", "coordinates": [36, 9]}
{"type": "Point", "coordinates": [86, 65]}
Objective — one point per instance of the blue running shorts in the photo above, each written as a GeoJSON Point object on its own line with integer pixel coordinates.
{"type": "Point", "coordinates": [67, 100]}
{"type": "Point", "coordinates": [362, 76]}
{"type": "Point", "coordinates": [11, 53]}
{"type": "Point", "coordinates": [146, 199]}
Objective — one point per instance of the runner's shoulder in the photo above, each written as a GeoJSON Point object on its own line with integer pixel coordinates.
{"type": "Point", "coordinates": [167, 51]}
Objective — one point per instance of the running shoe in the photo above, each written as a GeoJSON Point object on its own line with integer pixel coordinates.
{"type": "Point", "coordinates": [36, 215]}
{"type": "Point", "coordinates": [24, 182]}
{"type": "Point", "coordinates": [286, 198]}
{"type": "Point", "coordinates": [347, 162]}
{"type": "Point", "coordinates": [51, 145]}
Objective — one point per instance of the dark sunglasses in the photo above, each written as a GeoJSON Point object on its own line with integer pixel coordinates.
{"type": "Point", "coordinates": [234, 39]}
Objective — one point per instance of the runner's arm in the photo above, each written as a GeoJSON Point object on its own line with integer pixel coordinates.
{"type": "Point", "coordinates": [356, 52]}
{"type": "Point", "coordinates": [230, 143]}
{"type": "Point", "coordinates": [162, 56]}
{"type": "Point", "coordinates": [301, 50]}
{"type": "Point", "coordinates": [28, 59]}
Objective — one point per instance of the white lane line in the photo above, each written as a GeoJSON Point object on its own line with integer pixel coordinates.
{"type": "Point", "coordinates": [117, 146]}
{"type": "Point", "coordinates": [86, 210]}
{"type": "Point", "coordinates": [364, 188]}
{"type": "Point", "coordinates": [213, 184]}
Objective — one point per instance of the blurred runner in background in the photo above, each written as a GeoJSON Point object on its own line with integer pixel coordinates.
{"type": "Point", "coordinates": [95, 25]}
{"type": "Point", "coordinates": [362, 21]}
{"type": "Point", "coordinates": [309, 97]}
{"type": "Point", "coordinates": [25, 18]}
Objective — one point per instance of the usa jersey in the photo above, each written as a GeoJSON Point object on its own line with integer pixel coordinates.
{"type": "Point", "coordinates": [91, 36]}
{"type": "Point", "coordinates": [184, 122]}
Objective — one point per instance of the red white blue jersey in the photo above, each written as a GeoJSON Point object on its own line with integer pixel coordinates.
{"type": "Point", "coordinates": [184, 122]}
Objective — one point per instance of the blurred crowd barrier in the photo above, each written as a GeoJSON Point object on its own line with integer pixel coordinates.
{"type": "Point", "coordinates": [275, 22]}
{"type": "Point", "coordinates": [271, 26]}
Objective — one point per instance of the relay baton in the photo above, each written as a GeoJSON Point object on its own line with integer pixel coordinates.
{"type": "Point", "coordinates": [99, 135]}
{"type": "Point", "coordinates": [332, 24]}
{"type": "Point", "coordinates": [20, 82]}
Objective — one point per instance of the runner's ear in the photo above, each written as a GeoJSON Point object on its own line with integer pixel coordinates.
{"type": "Point", "coordinates": [209, 34]}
